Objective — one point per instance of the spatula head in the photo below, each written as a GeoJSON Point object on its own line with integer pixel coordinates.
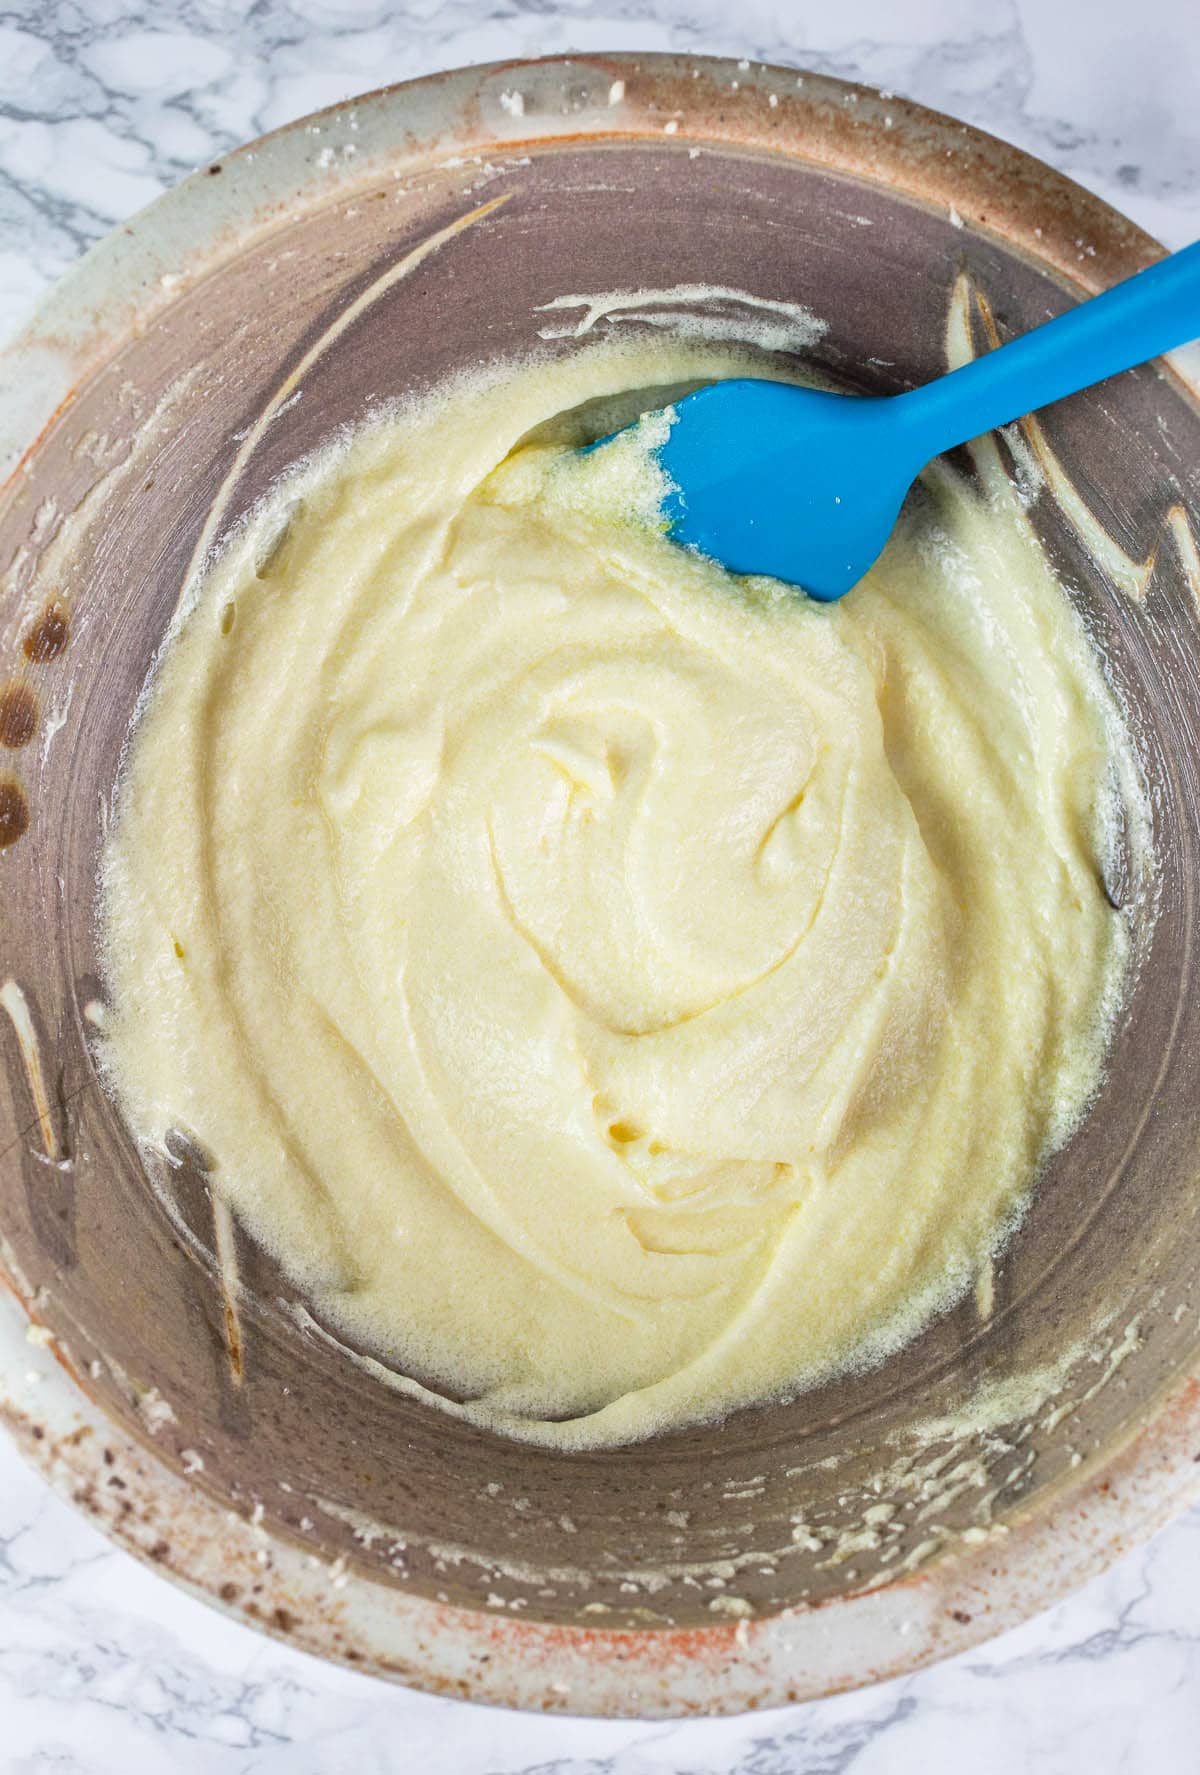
{"type": "Point", "coordinates": [794, 482]}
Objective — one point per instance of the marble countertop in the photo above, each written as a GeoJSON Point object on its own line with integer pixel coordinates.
{"type": "Point", "coordinates": [103, 1665]}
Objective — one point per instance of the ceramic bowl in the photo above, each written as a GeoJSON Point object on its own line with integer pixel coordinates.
{"type": "Point", "coordinates": [874, 1523]}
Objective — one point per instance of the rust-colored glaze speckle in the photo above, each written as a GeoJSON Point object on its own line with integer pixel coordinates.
{"type": "Point", "coordinates": [18, 714]}
{"type": "Point", "coordinates": [48, 636]}
{"type": "Point", "coordinates": [703, 1572]}
{"type": "Point", "coordinates": [14, 812]}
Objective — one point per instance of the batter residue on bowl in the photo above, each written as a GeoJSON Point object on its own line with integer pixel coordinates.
{"type": "Point", "coordinates": [615, 992]}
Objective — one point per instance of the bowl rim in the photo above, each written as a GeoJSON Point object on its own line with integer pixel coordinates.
{"type": "Point", "coordinates": [961, 1596]}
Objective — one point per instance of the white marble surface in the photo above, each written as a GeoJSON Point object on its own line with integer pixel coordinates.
{"type": "Point", "coordinates": [103, 1666]}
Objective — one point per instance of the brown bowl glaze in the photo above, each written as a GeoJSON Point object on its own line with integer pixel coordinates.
{"type": "Point", "coordinates": [356, 256]}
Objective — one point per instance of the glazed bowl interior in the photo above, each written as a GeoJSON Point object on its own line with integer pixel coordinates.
{"type": "Point", "coordinates": [341, 301]}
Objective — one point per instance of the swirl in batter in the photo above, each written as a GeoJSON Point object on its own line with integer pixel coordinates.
{"type": "Point", "coordinates": [616, 993]}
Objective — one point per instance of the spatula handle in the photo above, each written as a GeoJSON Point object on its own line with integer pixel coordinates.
{"type": "Point", "coordinates": [1149, 313]}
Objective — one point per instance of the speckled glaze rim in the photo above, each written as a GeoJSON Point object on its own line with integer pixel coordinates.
{"type": "Point", "coordinates": [119, 1482]}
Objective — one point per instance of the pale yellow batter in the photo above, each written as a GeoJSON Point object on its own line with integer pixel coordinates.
{"type": "Point", "coordinates": [616, 992]}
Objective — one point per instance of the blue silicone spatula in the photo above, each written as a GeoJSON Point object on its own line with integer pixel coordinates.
{"type": "Point", "coordinates": [804, 485]}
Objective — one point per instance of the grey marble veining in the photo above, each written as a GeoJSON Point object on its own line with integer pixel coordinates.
{"type": "Point", "coordinates": [105, 1667]}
